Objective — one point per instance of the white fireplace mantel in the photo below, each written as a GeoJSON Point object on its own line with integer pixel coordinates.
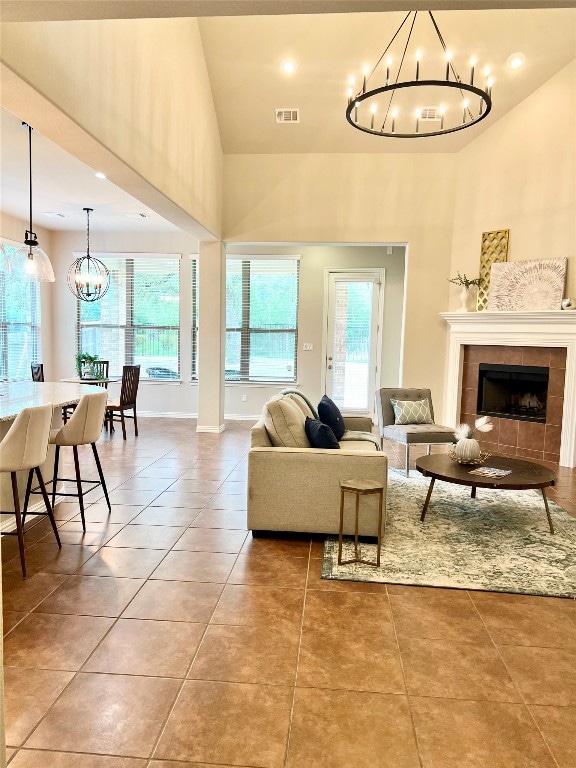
{"type": "Point", "coordinates": [514, 329]}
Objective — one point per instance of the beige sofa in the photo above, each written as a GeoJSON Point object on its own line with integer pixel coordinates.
{"type": "Point", "coordinates": [293, 487]}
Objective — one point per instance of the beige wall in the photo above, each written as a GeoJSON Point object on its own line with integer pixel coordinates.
{"type": "Point", "coordinates": [178, 399]}
{"type": "Point", "coordinates": [315, 260]}
{"type": "Point", "coordinates": [521, 175]}
{"type": "Point", "coordinates": [140, 88]}
{"type": "Point", "coordinates": [181, 399]}
{"type": "Point", "coordinates": [359, 199]}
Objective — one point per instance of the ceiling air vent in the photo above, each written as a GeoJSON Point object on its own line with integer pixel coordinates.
{"type": "Point", "coordinates": [431, 113]}
{"type": "Point", "coordinates": [284, 115]}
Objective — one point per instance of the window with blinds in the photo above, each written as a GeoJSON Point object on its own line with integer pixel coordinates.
{"type": "Point", "coordinates": [137, 322]}
{"type": "Point", "coordinates": [19, 323]}
{"type": "Point", "coordinates": [261, 318]}
{"type": "Point", "coordinates": [194, 270]}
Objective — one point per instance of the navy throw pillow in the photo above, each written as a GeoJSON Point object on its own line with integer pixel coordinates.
{"type": "Point", "coordinates": [320, 435]}
{"type": "Point", "coordinates": [329, 413]}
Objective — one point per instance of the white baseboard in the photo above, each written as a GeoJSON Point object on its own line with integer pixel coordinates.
{"type": "Point", "coordinates": [212, 430]}
{"type": "Point", "coordinates": [183, 415]}
{"type": "Point", "coordinates": [168, 414]}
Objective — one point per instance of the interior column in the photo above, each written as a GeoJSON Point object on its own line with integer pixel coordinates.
{"type": "Point", "coordinates": [211, 336]}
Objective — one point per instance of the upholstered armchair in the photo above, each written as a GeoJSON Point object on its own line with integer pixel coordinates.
{"type": "Point", "coordinates": [414, 424]}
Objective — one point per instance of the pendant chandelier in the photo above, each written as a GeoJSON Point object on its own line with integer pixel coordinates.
{"type": "Point", "coordinates": [29, 259]}
{"type": "Point", "coordinates": [392, 104]}
{"type": "Point", "coordinates": [88, 277]}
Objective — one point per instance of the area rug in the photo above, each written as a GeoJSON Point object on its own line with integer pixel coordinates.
{"type": "Point", "coordinates": [498, 542]}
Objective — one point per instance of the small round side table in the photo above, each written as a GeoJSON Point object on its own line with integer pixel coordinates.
{"type": "Point", "coordinates": [360, 488]}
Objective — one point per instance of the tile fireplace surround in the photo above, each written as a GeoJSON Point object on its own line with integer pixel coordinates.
{"type": "Point", "coordinates": [554, 330]}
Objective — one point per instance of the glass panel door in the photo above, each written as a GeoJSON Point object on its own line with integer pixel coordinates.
{"type": "Point", "coordinates": [351, 350]}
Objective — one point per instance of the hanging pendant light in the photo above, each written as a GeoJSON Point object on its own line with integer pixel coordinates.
{"type": "Point", "coordinates": [88, 277]}
{"type": "Point", "coordinates": [389, 91]}
{"type": "Point", "coordinates": [29, 258]}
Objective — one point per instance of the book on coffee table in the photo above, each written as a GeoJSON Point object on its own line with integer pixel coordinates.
{"type": "Point", "coordinates": [490, 472]}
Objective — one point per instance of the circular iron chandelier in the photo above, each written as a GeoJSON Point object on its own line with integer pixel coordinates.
{"type": "Point", "coordinates": [88, 277]}
{"type": "Point", "coordinates": [468, 103]}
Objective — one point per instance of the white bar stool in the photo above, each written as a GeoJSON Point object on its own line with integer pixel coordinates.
{"type": "Point", "coordinates": [83, 428]}
{"type": "Point", "coordinates": [25, 446]}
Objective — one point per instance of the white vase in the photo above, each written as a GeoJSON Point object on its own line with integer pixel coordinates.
{"type": "Point", "coordinates": [467, 449]}
{"type": "Point", "coordinates": [468, 299]}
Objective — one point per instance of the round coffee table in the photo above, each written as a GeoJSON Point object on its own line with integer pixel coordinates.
{"type": "Point", "coordinates": [523, 475]}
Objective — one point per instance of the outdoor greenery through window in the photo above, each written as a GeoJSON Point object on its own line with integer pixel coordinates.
{"type": "Point", "coordinates": [261, 318]}
{"type": "Point", "coordinates": [19, 323]}
{"type": "Point", "coordinates": [137, 322]}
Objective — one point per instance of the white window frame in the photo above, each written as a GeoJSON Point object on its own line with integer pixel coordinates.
{"type": "Point", "coordinates": [130, 327]}
{"type": "Point", "coordinates": [245, 329]}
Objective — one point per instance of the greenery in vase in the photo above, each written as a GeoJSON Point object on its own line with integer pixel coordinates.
{"type": "Point", "coordinates": [466, 432]}
{"type": "Point", "coordinates": [82, 359]}
{"type": "Point", "coordinates": [463, 281]}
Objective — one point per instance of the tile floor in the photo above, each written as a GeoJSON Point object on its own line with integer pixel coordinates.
{"type": "Point", "coordinates": [167, 637]}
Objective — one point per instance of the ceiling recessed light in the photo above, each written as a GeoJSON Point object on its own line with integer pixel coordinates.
{"type": "Point", "coordinates": [136, 215]}
{"type": "Point", "coordinates": [54, 215]}
{"type": "Point", "coordinates": [288, 67]}
{"type": "Point", "coordinates": [515, 60]}
{"type": "Point", "coordinates": [100, 175]}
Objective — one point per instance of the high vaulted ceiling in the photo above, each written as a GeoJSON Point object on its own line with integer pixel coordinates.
{"type": "Point", "coordinates": [244, 55]}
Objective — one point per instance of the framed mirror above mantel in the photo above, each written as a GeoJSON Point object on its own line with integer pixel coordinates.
{"type": "Point", "coordinates": [545, 339]}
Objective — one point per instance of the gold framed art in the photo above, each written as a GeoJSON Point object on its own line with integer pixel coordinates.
{"type": "Point", "coordinates": [494, 249]}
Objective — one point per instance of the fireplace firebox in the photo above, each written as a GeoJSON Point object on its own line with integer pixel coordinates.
{"type": "Point", "coordinates": [513, 391]}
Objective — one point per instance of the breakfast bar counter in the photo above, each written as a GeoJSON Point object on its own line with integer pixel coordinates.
{"type": "Point", "coordinates": [17, 395]}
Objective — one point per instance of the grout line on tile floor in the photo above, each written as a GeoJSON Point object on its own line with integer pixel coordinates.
{"type": "Point", "coordinates": [520, 694]}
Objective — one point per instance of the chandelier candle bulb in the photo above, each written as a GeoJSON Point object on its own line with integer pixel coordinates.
{"type": "Point", "coordinates": [472, 65]}
{"type": "Point", "coordinates": [448, 59]}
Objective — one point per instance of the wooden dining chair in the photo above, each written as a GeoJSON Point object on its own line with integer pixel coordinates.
{"type": "Point", "coordinates": [101, 371]}
{"type": "Point", "coordinates": [116, 409]}
{"type": "Point", "coordinates": [37, 371]}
